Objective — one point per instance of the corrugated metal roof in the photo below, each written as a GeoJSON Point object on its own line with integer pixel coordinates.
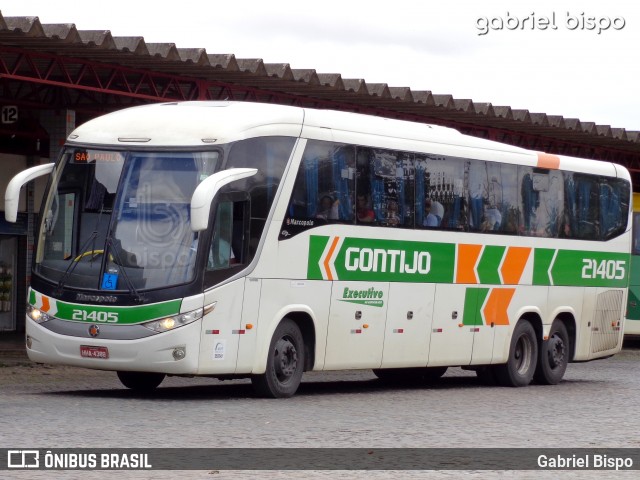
{"type": "Point", "coordinates": [100, 45]}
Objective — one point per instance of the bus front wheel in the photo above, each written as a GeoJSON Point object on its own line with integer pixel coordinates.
{"type": "Point", "coordinates": [285, 363]}
{"type": "Point", "coordinates": [141, 381]}
{"type": "Point", "coordinates": [554, 355]}
{"type": "Point", "coordinates": [523, 357]}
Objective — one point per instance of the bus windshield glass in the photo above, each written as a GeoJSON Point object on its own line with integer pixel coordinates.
{"type": "Point", "coordinates": [121, 220]}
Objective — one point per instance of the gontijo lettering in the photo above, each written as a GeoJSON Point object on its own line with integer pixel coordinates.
{"type": "Point", "coordinates": [352, 258]}
{"type": "Point", "coordinates": [381, 260]}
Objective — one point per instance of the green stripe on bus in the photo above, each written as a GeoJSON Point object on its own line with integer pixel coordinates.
{"type": "Point", "coordinates": [406, 261]}
{"type": "Point", "coordinates": [317, 244]}
{"type": "Point", "coordinates": [125, 315]}
{"type": "Point", "coordinates": [542, 258]}
{"type": "Point", "coordinates": [394, 261]}
{"type": "Point", "coordinates": [473, 300]}
{"type": "Point", "coordinates": [32, 298]}
{"type": "Point", "coordinates": [489, 264]}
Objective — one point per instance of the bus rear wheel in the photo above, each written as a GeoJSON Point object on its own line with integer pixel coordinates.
{"type": "Point", "coordinates": [554, 355]}
{"type": "Point", "coordinates": [285, 363]}
{"type": "Point", "coordinates": [523, 357]}
{"type": "Point", "coordinates": [141, 381]}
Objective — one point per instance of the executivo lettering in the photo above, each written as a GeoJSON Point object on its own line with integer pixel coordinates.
{"type": "Point", "coordinates": [371, 296]}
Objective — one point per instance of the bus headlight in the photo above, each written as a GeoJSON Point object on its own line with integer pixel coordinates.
{"type": "Point", "coordinates": [37, 315]}
{"type": "Point", "coordinates": [170, 323]}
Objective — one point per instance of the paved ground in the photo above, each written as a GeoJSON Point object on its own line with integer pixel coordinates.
{"type": "Point", "coordinates": [54, 407]}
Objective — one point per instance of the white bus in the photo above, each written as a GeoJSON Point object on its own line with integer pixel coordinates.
{"type": "Point", "coordinates": [235, 240]}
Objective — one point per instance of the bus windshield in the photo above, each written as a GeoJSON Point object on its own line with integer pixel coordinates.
{"type": "Point", "coordinates": [118, 220]}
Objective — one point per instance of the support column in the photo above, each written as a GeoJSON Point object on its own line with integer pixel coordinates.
{"type": "Point", "coordinates": [59, 124]}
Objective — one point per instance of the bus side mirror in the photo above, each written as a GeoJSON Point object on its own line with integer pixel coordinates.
{"type": "Point", "coordinates": [12, 193]}
{"type": "Point", "coordinates": [207, 190]}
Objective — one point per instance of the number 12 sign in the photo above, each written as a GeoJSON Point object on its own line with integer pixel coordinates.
{"type": "Point", "coordinates": [9, 114]}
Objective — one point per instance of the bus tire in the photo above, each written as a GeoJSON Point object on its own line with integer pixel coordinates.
{"type": "Point", "coordinates": [554, 355]}
{"type": "Point", "coordinates": [523, 357]}
{"type": "Point", "coordinates": [141, 381]}
{"type": "Point", "coordinates": [285, 363]}
{"type": "Point", "coordinates": [487, 375]}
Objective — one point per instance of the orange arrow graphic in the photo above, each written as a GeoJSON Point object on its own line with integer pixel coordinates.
{"type": "Point", "coordinates": [467, 260]}
{"type": "Point", "coordinates": [513, 265]}
{"type": "Point", "coordinates": [327, 260]}
{"type": "Point", "coordinates": [495, 309]}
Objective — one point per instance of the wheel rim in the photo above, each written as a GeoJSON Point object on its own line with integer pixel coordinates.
{"type": "Point", "coordinates": [285, 359]}
{"type": "Point", "coordinates": [556, 351]}
{"type": "Point", "coordinates": [522, 354]}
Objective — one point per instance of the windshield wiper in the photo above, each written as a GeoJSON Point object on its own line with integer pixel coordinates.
{"type": "Point", "coordinates": [74, 263]}
{"type": "Point", "coordinates": [132, 288]}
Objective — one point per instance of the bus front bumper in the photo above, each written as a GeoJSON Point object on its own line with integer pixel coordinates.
{"type": "Point", "coordinates": [162, 353]}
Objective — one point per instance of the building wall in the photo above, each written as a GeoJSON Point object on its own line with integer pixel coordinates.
{"type": "Point", "coordinates": [12, 164]}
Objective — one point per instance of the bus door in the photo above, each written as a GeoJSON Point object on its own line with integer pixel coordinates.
{"type": "Point", "coordinates": [226, 255]}
{"type": "Point", "coordinates": [409, 318]}
{"type": "Point", "coordinates": [451, 340]}
{"type": "Point", "coordinates": [483, 318]}
{"type": "Point", "coordinates": [356, 325]}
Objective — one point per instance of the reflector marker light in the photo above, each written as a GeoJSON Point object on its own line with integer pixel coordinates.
{"type": "Point", "coordinates": [238, 332]}
{"type": "Point", "coordinates": [212, 332]}
{"type": "Point", "coordinates": [357, 330]}
{"type": "Point", "coordinates": [398, 330]}
{"type": "Point", "coordinates": [437, 330]}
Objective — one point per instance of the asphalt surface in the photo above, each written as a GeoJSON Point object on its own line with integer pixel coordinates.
{"type": "Point", "coordinates": [56, 407]}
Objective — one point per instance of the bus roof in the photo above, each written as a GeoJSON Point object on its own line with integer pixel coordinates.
{"type": "Point", "coordinates": [202, 123]}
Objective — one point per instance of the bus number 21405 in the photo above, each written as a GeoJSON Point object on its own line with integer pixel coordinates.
{"type": "Point", "coordinates": [95, 316]}
{"type": "Point", "coordinates": [609, 269]}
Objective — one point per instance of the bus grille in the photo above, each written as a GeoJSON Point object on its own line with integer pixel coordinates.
{"type": "Point", "coordinates": [605, 332]}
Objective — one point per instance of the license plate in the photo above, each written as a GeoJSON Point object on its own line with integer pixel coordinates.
{"type": "Point", "coordinates": [94, 352]}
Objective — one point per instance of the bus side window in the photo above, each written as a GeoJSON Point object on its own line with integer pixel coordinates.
{"type": "Point", "coordinates": [439, 192]}
{"type": "Point", "coordinates": [324, 188]}
{"type": "Point", "coordinates": [493, 197]}
{"type": "Point", "coordinates": [391, 187]}
{"type": "Point", "coordinates": [221, 254]}
{"type": "Point", "coordinates": [228, 244]}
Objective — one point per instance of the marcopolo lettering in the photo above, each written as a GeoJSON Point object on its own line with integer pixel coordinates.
{"type": "Point", "coordinates": [387, 260]}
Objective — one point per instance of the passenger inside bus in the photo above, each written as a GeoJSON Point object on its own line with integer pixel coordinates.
{"type": "Point", "coordinates": [363, 212]}
{"type": "Point", "coordinates": [431, 210]}
{"type": "Point", "coordinates": [327, 208]}
{"type": "Point", "coordinates": [393, 217]}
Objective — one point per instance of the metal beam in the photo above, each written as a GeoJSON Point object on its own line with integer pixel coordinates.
{"type": "Point", "coordinates": [44, 80]}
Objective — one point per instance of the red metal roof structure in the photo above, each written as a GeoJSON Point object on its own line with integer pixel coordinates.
{"type": "Point", "coordinates": [52, 66]}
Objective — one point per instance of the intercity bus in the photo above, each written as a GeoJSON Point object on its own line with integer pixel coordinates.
{"type": "Point", "coordinates": [243, 240]}
{"type": "Point", "coordinates": [632, 320]}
